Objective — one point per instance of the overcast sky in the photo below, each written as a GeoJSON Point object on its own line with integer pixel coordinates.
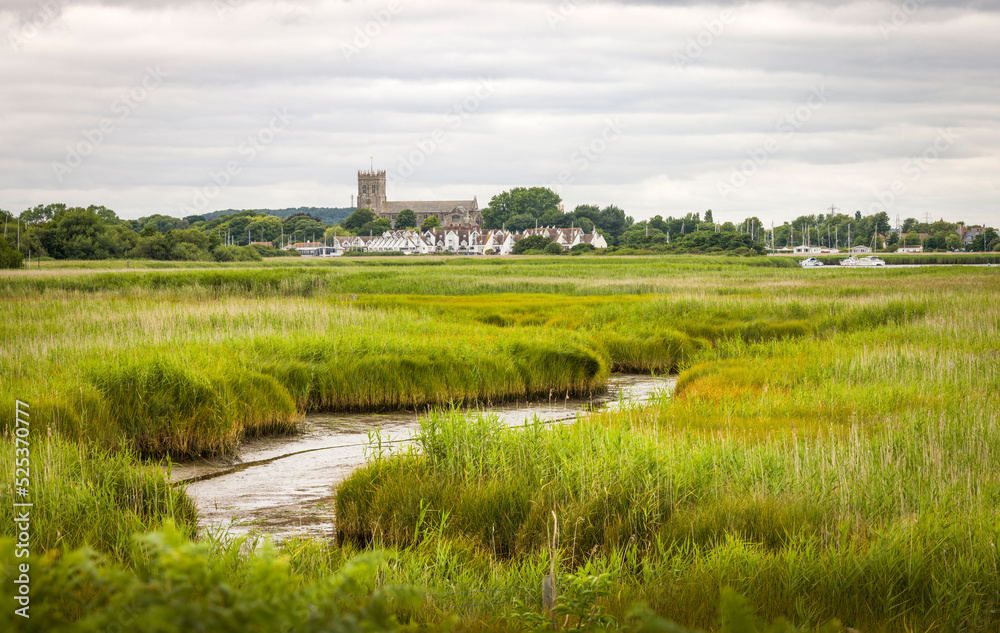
{"type": "Point", "coordinates": [773, 109]}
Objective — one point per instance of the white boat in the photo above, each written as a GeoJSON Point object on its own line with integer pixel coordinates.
{"type": "Point", "coordinates": [870, 261]}
{"type": "Point", "coordinates": [812, 262]}
{"type": "Point", "coordinates": [863, 262]}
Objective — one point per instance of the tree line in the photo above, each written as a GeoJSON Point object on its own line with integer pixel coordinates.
{"type": "Point", "coordinates": [96, 232]}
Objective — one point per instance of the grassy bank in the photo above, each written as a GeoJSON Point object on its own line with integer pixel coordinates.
{"type": "Point", "coordinates": [939, 259]}
{"type": "Point", "coordinates": [192, 370]}
{"type": "Point", "coordinates": [186, 377]}
{"type": "Point", "coordinates": [836, 474]}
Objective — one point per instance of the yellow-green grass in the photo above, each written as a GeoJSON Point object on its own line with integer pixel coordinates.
{"type": "Point", "coordinates": [845, 473]}
{"type": "Point", "coordinates": [189, 369]}
{"type": "Point", "coordinates": [82, 495]}
{"type": "Point", "coordinates": [183, 376]}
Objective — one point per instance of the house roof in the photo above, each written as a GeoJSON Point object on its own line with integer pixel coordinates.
{"type": "Point", "coordinates": [430, 206]}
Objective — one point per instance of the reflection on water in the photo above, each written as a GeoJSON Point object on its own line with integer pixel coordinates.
{"type": "Point", "coordinates": [284, 485]}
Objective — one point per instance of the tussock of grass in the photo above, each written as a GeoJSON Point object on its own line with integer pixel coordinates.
{"type": "Point", "coordinates": [84, 496]}
{"type": "Point", "coordinates": [813, 473]}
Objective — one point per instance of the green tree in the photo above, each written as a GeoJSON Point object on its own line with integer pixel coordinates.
{"type": "Point", "coordinates": [554, 248]}
{"type": "Point", "coordinates": [531, 243]}
{"type": "Point", "coordinates": [614, 221]}
{"type": "Point", "coordinates": [406, 219]}
{"type": "Point", "coordinates": [265, 228]}
{"type": "Point", "coordinates": [39, 213]}
{"type": "Point", "coordinates": [10, 258]}
{"type": "Point", "coordinates": [77, 233]}
{"type": "Point", "coordinates": [430, 223]}
{"type": "Point", "coordinates": [537, 202]}
{"type": "Point", "coordinates": [591, 212]}
{"type": "Point", "coordinates": [302, 227]}
{"type": "Point", "coordinates": [358, 219]}
{"type": "Point", "coordinates": [708, 216]}
{"type": "Point", "coordinates": [985, 242]}
{"type": "Point", "coordinates": [521, 222]}
{"type": "Point", "coordinates": [378, 226]}
{"type": "Point", "coordinates": [162, 223]}
{"type": "Point", "coordinates": [642, 235]}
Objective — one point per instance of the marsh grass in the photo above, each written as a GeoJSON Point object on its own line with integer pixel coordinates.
{"type": "Point", "coordinates": [86, 496]}
{"type": "Point", "coordinates": [844, 471]}
{"type": "Point", "coordinates": [829, 452]}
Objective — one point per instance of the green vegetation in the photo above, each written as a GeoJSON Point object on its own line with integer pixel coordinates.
{"type": "Point", "coordinates": [406, 219]}
{"type": "Point", "coordinates": [10, 258]}
{"type": "Point", "coordinates": [327, 215]}
{"type": "Point", "coordinates": [56, 231]}
{"type": "Point", "coordinates": [532, 243]}
{"type": "Point", "coordinates": [828, 453]}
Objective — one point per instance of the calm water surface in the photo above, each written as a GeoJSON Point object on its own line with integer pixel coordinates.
{"type": "Point", "coordinates": [284, 485]}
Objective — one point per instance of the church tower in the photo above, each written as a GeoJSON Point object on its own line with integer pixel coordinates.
{"type": "Point", "coordinates": [371, 190]}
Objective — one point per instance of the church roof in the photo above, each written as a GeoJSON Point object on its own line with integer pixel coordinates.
{"type": "Point", "coordinates": [430, 206]}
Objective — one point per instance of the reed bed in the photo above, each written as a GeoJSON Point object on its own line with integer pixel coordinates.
{"type": "Point", "coordinates": [197, 378]}
{"type": "Point", "coordinates": [86, 496]}
{"type": "Point", "coordinates": [847, 471]}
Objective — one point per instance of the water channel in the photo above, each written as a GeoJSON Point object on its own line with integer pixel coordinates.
{"type": "Point", "coordinates": [284, 485]}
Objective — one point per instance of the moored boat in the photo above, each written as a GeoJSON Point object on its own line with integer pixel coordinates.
{"type": "Point", "coordinates": [863, 262]}
{"type": "Point", "coordinates": [812, 262]}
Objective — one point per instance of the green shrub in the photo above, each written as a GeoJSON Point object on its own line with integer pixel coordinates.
{"type": "Point", "coordinates": [530, 243]}
{"type": "Point", "coordinates": [180, 585]}
{"type": "Point", "coordinates": [10, 258]}
{"type": "Point", "coordinates": [236, 254]}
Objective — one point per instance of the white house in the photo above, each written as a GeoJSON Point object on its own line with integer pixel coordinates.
{"type": "Point", "coordinates": [568, 238]}
{"type": "Point", "coordinates": [317, 249]}
{"type": "Point", "coordinates": [462, 240]}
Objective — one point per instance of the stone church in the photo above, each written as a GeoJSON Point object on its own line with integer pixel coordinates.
{"type": "Point", "coordinates": [371, 195]}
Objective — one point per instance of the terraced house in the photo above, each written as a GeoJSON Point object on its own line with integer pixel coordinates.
{"type": "Point", "coordinates": [458, 240]}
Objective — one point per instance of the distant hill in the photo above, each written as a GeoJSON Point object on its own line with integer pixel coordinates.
{"type": "Point", "coordinates": [329, 215]}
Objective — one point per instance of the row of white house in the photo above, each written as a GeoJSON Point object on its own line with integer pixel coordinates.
{"type": "Point", "coordinates": [458, 240]}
